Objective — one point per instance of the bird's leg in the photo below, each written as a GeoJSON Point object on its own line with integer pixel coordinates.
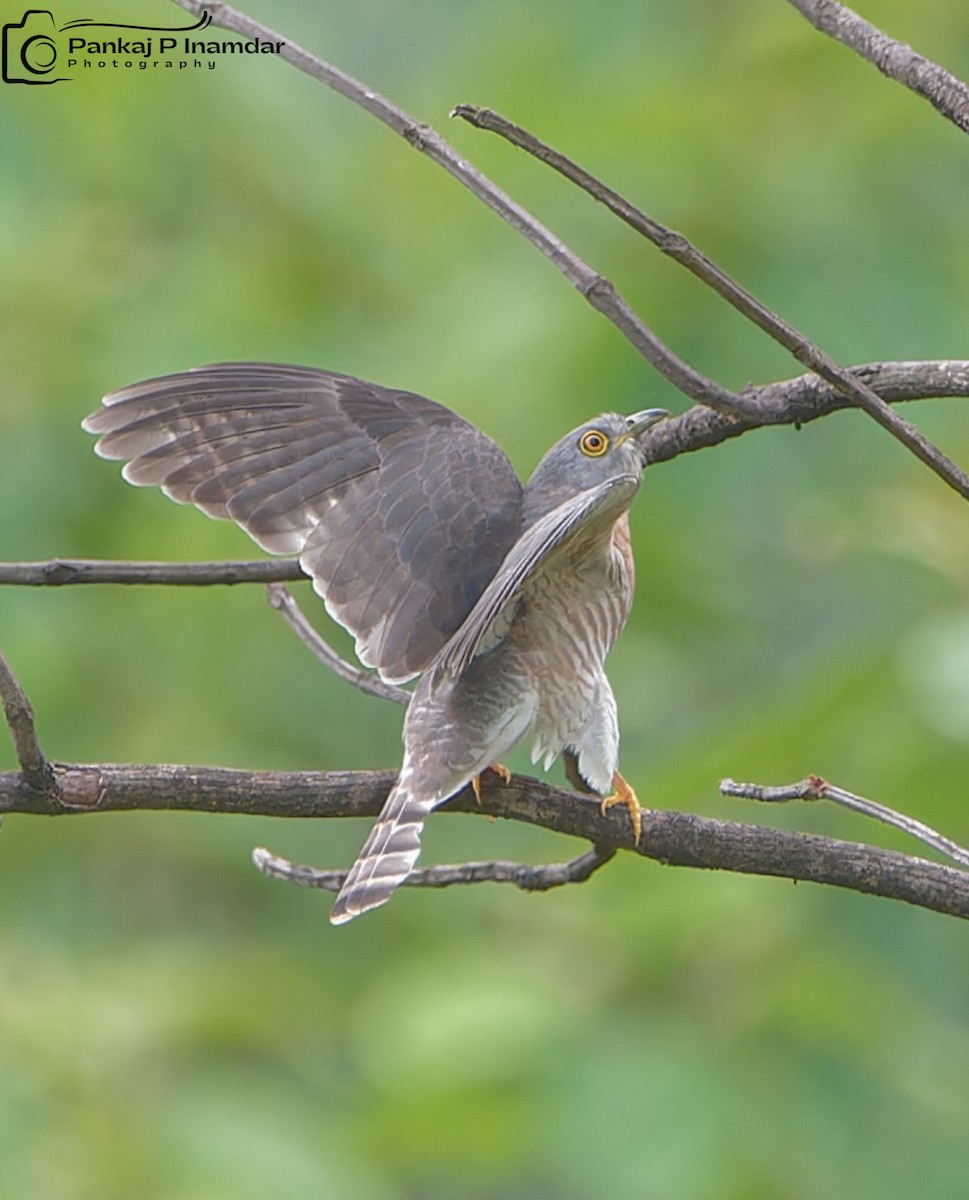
{"type": "Point", "coordinates": [501, 771]}
{"type": "Point", "coordinates": [624, 794]}
{"type": "Point", "coordinates": [571, 762]}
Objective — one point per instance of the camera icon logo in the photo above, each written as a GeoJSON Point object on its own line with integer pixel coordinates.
{"type": "Point", "coordinates": [29, 52]}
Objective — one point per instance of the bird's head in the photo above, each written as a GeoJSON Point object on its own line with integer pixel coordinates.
{"type": "Point", "coordinates": [604, 448]}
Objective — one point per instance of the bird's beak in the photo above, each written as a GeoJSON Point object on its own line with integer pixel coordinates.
{"type": "Point", "coordinates": [639, 422]}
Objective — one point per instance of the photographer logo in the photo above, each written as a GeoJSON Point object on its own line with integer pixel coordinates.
{"type": "Point", "coordinates": [36, 50]}
{"type": "Point", "coordinates": [29, 50]}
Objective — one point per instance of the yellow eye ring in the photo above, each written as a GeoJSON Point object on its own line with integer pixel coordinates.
{"type": "Point", "coordinates": [593, 443]}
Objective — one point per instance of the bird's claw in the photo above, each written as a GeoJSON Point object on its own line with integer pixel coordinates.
{"type": "Point", "coordinates": [499, 769]}
{"type": "Point", "coordinates": [625, 795]}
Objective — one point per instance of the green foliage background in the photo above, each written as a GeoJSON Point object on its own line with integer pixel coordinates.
{"type": "Point", "coordinates": [172, 1025]}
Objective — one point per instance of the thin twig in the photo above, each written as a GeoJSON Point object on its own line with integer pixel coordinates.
{"type": "Point", "coordinates": [687, 255]}
{"type": "Point", "coordinates": [372, 685]}
{"type": "Point", "coordinates": [599, 292]}
{"type": "Point", "coordinates": [541, 878]}
{"type": "Point", "coordinates": [814, 787]}
{"type": "Point", "coordinates": [36, 772]}
{"type": "Point", "coordinates": [57, 572]}
{"type": "Point", "coordinates": [944, 91]}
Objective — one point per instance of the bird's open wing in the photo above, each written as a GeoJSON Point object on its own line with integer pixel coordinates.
{"type": "Point", "coordinates": [399, 509]}
{"type": "Point", "coordinates": [563, 530]}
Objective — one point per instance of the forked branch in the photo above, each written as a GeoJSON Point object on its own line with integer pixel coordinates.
{"type": "Point", "coordinates": [599, 291]}
{"type": "Point", "coordinates": [814, 787]}
{"type": "Point", "coordinates": [677, 247]}
{"type": "Point", "coordinates": [672, 838]}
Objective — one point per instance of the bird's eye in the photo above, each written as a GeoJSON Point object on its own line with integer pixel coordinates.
{"type": "Point", "coordinates": [593, 443]}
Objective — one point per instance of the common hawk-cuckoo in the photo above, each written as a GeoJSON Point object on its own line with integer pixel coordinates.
{"type": "Point", "coordinates": [413, 525]}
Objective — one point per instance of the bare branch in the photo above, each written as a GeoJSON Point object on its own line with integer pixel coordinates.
{"type": "Point", "coordinates": [673, 838]}
{"type": "Point", "coordinates": [371, 685]}
{"type": "Point", "coordinates": [687, 255]}
{"type": "Point", "coordinates": [529, 878]}
{"type": "Point", "coordinates": [36, 774]}
{"type": "Point", "coordinates": [60, 571]}
{"type": "Point", "coordinates": [814, 787]}
{"type": "Point", "coordinates": [944, 91]}
{"type": "Point", "coordinates": [804, 399]}
{"type": "Point", "coordinates": [599, 292]}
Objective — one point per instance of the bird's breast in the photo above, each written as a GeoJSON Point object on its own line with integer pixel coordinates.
{"type": "Point", "coordinates": [570, 617]}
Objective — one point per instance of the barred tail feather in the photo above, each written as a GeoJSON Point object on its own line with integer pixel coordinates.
{"type": "Point", "coordinates": [387, 857]}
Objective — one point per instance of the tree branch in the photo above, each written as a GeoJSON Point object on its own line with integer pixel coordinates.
{"type": "Point", "coordinates": [597, 290]}
{"type": "Point", "coordinates": [802, 400]}
{"type": "Point", "coordinates": [677, 247]}
{"type": "Point", "coordinates": [36, 775]}
{"type": "Point", "coordinates": [946, 93]}
{"type": "Point", "coordinates": [57, 572]}
{"type": "Point", "coordinates": [541, 878]}
{"type": "Point", "coordinates": [365, 681]}
{"type": "Point", "coordinates": [814, 787]}
{"type": "Point", "coordinates": [672, 838]}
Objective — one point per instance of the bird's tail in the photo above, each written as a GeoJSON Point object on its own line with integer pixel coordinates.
{"type": "Point", "coordinates": [388, 855]}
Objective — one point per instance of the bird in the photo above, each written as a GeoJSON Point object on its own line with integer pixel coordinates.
{"type": "Point", "coordinates": [501, 600]}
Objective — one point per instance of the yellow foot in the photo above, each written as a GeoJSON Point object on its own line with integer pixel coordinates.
{"type": "Point", "coordinates": [501, 771]}
{"type": "Point", "coordinates": [624, 794]}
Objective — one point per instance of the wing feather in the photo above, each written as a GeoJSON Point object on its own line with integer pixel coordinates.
{"type": "Point", "coordinates": [399, 509]}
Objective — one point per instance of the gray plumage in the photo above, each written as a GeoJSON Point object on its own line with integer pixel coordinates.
{"type": "Point", "coordinates": [419, 537]}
